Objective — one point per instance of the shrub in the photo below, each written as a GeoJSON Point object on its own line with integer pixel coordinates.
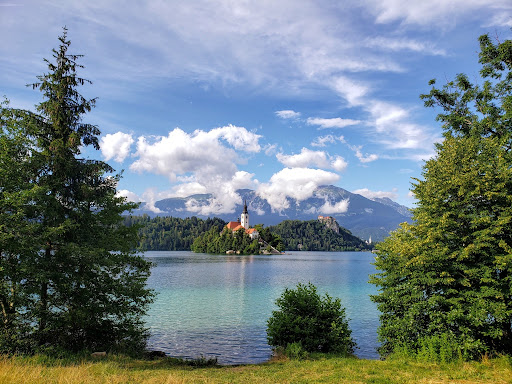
{"type": "Point", "coordinates": [440, 348]}
{"type": "Point", "coordinates": [317, 324]}
{"type": "Point", "coordinates": [295, 351]}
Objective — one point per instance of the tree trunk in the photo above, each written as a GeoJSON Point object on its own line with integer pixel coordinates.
{"type": "Point", "coordinates": [43, 302]}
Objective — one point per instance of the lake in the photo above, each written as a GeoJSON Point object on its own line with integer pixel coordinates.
{"type": "Point", "coordinates": [217, 305]}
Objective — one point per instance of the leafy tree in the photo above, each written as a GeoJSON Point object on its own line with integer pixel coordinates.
{"type": "Point", "coordinates": [445, 280]}
{"type": "Point", "coordinates": [18, 235]}
{"type": "Point", "coordinates": [270, 238]}
{"type": "Point", "coordinates": [318, 323]}
{"type": "Point", "coordinates": [78, 283]}
{"type": "Point", "coordinates": [219, 243]}
{"type": "Point", "coordinates": [170, 233]}
{"type": "Point", "coordinates": [313, 235]}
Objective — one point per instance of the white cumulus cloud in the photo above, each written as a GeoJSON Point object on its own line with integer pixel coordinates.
{"type": "Point", "coordinates": [339, 207]}
{"type": "Point", "coordinates": [339, 164]}
{"type": "Point", "coordinates": [130, 196]}
{"type": "Point", "coordinates": [296, 183]}
{"type": "Point", "coordinates": [364, 158]}
{"type": "Point", "coordinates": [150, 196]}
{"type": "Point", "coordinates": [239, 137]}
{"type": "Point", "coordinates": [188, 189]}
{"type": "Point", "coordinates": [365, 192]}
{"type": "Point", "coordinates": [224, 196]}
{"type": "Point", "coordinates": [200, 152]}
{"type": "Point", "coordinates": [307, 158]}
{"type": "Point", "coordinates": [116, 146]}
{"type": "Point", "coordinates": [203, 160]}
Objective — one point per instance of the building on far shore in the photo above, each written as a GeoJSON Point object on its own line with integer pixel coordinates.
{"type": "Point", "coordinates": [243, 223]}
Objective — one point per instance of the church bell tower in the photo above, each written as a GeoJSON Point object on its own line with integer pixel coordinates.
{"type": "Point", "coordinates": [244, 219]}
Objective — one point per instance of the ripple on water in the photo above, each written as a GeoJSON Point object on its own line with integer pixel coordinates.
{"type": "Point", "coordinates": [217, 306]}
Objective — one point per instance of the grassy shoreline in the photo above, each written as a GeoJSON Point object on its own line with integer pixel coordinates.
{"type": "Point", "coordinates": [119, 369]}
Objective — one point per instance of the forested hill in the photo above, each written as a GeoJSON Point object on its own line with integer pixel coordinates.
{"type": "Point", "coordinates": [170, 233]}
{"type": "Point", "coordinates": [175, 234]}
{"type": "Point", "coordinates": [313, 235]}
{"type": "Point", "coordinates": [364, 218]}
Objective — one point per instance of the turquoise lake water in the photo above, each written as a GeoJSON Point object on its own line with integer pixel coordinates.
{"type": "Point", "coordinates": [217, 306]}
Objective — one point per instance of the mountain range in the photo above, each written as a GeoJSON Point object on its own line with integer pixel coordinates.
{"type": "Point", "coordinates": [363, 217]}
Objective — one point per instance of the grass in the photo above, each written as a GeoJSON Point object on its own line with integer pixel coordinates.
{"type": "Point", "coordinates": [119, 369]}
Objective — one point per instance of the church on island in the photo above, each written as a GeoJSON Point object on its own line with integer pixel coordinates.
{"type": "Point", "coordinates": [243, 223]}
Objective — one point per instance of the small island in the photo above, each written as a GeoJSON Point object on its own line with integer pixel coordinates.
{"type": "Point", "coordinates": [237, 237]}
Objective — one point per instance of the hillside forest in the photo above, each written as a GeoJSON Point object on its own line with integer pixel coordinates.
{"type": "Point", "coordinates": [175, 234]}
{"type": "Point", "coordinates": [170, 233]}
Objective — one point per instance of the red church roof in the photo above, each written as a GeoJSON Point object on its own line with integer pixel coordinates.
{"type": "Point", "coordinates": [232, 225]}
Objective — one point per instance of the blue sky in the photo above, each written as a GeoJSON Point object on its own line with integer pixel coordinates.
{"type": "Point", "coordinates": [277, 96]}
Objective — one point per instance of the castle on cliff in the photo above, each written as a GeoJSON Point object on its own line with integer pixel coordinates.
{"type": "Point", "coordinates": [330, 222]}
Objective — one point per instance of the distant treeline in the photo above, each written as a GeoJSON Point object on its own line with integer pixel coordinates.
{"type": "Point", "coordinates": [315, 236]}
{"type": "Point", "coordinates": [175, 234]}
{"type": "Point", "coordinates": [171, 233]}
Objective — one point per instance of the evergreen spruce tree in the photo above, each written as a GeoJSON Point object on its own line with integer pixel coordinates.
{"type": "Point", "coordinates": [82, 285]}
{"type": "Point", "coordinates": [445, 280]}
{"type": "Point", "coordinates": [18, 233]}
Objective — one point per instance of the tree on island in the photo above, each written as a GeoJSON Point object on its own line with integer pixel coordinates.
{"type": "Point", "coordinates": [313, 235]}
{"type": "Point", "coordinates": [238, 241]}
{"type": "Point", "coordinates": [165, 233]}
{"type": "Point", "coordinates": [69, 276]}
{"type": "Point", "coordinates": [446, 280]}
{"type": "Point", "coordinates": [216, 242]}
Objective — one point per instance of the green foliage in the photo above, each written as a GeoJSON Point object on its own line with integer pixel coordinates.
{"type": "Point", "coordinates": [440, 348]}
{"type": "Point", "coordinates": [446, 280]}
{"type": "Point", "coordinates": [315, 323]}
{"type": "Point", "coordinates": [170, 233]}
{"type": "Point", "coordinates": [70, 279]}
{"type": "Point", "coordinates": [219, 243]}
{"type": "Point", "coordinates": [175, 234]}
{"type": "Point", "coordinates": [479, 110]}
{"type": "Point", "coordinates": [295, 351]}
{"type": "Point", "coordinates": [315, 236]}
{"type": "Point", "coordinates": [270, 238]}
{"type": "Point", "coordinates": [17, 234]}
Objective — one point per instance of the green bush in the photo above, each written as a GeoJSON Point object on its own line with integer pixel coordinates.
{"type": "Point", "coordinates": [295, 351]}
{"type": "Point", "coordinates": [315, 323]}
{"type": "Point", "coordinates": [441, 348]}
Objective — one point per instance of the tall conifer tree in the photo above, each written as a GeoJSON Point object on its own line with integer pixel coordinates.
{"type": "Point", "coordinates": [85, 286]}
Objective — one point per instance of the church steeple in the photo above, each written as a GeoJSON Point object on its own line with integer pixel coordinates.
{"type": "Point", "coordinates": [245, 217]}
